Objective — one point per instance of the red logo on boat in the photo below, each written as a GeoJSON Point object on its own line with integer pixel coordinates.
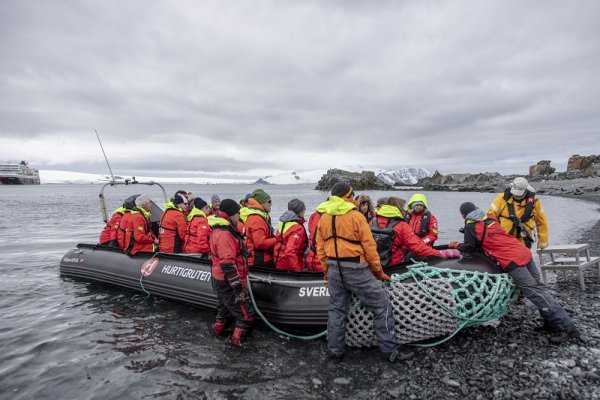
{"type": "Point", "coordinates": [148, 266]}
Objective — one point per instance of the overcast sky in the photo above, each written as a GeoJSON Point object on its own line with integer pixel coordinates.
{"type": "Point", "coordinates": [252, 87]}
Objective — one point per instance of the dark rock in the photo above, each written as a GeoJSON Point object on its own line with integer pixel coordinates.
{"type": "Point", "coordinates": [365, 180]}
{"type": "Point", "coordinates": [261, 181]}
{"type": "Point", "coordinates": [542, 168]}
{"type": "Point", "coordinates": [586, 164]}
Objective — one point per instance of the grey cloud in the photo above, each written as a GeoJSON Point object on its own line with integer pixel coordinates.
{"type": "Point", "coordinates": [431, 81]}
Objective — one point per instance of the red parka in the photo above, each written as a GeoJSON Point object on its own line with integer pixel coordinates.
{"type": "Point", "coordinates": [197, 241]}
{"type": "Point", "coordinates": [505, 249]}
{"type": "Point", "coordinates": [226, 246]}
{"type": "Point", "coordinates": [124, 224]}
{"type": "Point", "coordinates": [139, 235]}
{"type": "Point", "coordinates": [292, 242]}
{"type": "Point", "coordinates": [259, 235]}
{"type": "Point", "coordinates": [312, 260]}
{"type": "Point", "coordinates": [429, 233]}
{"type": "Point", "coordinates": [404, 239]}
{"type": "Point", "coordinates": [108, 236]}
{"type": "Point", "coordinates": [173, 230]}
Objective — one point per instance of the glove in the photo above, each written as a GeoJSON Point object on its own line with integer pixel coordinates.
{"type": "Point", "coordinates": [382, 276]}
{"type": "Point", "coordinates": [453, 244]}
{"type": "Point", "coordinates": [542, 246]}
{"type": "Point", "coordinates": [449, 253]}
{"type": "Point", "coordinates": [238, 292]}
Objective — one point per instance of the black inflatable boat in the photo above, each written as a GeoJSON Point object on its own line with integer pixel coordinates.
{"type": "Point", "coordinates": [297, 301]}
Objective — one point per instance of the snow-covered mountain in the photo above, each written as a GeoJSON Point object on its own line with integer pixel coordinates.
{"type": "Point", "coordinates": [293, 177]}
{"type": "Point", "coordinates": [406, 176]}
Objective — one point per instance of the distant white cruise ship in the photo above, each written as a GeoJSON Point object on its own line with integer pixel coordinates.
{"type": "Point", "coordinates": [18, 174]}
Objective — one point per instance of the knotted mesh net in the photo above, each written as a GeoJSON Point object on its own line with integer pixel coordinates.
{"type": "Point", "coordinates": [431, 302]}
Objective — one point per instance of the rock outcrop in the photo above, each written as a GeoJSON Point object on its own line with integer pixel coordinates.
{"type": "Point", "coordinates": [584, 165]}
{"type": "Point", "coordinates": [365, 180]}
{"type": "Point", "coordinates": [482, 182]}
{"type": "Point", "coordinates": [542, 168]}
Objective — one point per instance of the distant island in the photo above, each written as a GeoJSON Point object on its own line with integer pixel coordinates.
{"type": "Point", "coordinates": [582, 175]}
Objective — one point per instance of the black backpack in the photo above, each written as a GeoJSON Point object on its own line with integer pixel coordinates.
{"type": "Point", "coordinates": [384, 238]}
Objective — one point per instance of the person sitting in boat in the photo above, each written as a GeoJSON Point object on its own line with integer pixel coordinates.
{"type": "Point", "coordinates": [312, 260]}
{"type": "Point", "coordinates": [403, 238]}
{"type": "Point", "coordinates": [197, 240]}
{"type": "Point", "coordinates": [380, 202]}
{"type": "Point", "coordinates": [422, 222]}
{"type": "Point", "coordinates": [351, 265]}
{"type": "Point", "coordinates": [215, 201]}
{"type": "Point", "coordinates": [139, 236]}
{"type": "Point", "coordinates": [241, 226]}
{"type": "Point", "coordinates": [229, 273]}
{"type": "Point", "coordinates": [108, 236]}
{"type": "Point", "coordinates": [365, 206]}
{"type": "Point", "coordinates": [292, 239]}
{"type": "Point", "coordinates": [173, 226]}
{"type": "Point", "coordinates": [260, 237]}
{"type": "Point", "coordinates": [484, 233]}
{"type": "Point", "coordinates": [128, 204]}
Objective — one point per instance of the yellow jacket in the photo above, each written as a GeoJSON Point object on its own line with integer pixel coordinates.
{"type": "Point", "coordinates": [538, 220]}
{"type": "Point", "coordinates": [351, 225]}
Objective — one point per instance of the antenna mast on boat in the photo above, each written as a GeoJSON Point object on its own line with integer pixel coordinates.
{"type": "Point", "coordinates": [102, 147]}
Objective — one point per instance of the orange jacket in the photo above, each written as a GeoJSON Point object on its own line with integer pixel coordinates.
{"type": "Point", "coordinates": [290, 247]}
{"type": "Point", "coordinates": [354, 239]}
{"type": "Point", "coordinates": [197, 241]}
{"type": "Point", "coordinates": [139, 236]}
{"type": "Point", "coordinates": [173, 230]}
{"type": "Point", "coordinates": [260, 239]}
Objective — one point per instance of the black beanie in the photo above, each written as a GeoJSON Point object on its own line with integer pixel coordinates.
{"type": "Point", "coordinates": [229, 207]}
{"type": "Point", "coordinates": [296, 206]}
{"type": "Point", "coordinates": [340, 189]}
{"type": "Point", "coordinates": [199, 203]}
{"type": "Point", "coordinates": [179, 198]}
{"type": "Point", "coordinates": [466, 208]}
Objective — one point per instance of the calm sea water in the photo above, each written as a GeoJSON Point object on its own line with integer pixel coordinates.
{"type": "Point", "coordinates": [67, 339]}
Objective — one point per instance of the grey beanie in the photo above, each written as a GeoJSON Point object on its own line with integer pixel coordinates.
{"type": "Point", "coordinates": [296, 206]}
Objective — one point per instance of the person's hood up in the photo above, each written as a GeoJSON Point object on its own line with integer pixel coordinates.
{"type": "Point", "coordinates": [338, 206]}
{"type": "Point", "coordinates": [475, 215]}
{"type": "Point", "coordinates": [417, 198]}
{"type": "Point", "coordinates": [289, 216]}
{"type": "Point", "coordinates": [389, 211]}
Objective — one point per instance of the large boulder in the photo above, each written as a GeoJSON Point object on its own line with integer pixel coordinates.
{"type": "Point", "coordinates": [365, 180]}
{"type": "Point", "coordinates": [583, 165]}
{"type": "Point", "coordinates": [542, 168]}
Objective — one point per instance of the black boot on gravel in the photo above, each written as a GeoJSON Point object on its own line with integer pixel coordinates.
{"type": "Point", "coordinates": [563, 335]}
{"type": "Point", "coordinates": [545, 327]}
{"type": "Point", "coordinates": [400, 353]}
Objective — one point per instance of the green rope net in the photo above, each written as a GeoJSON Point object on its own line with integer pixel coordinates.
{"type": "Point", "coordinates": [431, 302]}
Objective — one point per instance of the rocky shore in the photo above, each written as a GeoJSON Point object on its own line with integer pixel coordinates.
{"type": "Point", "coordinates": [507, 360]}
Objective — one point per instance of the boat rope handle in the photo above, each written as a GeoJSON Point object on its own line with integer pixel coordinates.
{"type": "Point", "coordinates": [281, 332]}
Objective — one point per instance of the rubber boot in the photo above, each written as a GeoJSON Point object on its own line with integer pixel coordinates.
{"type": "Point", "coordinates": [400, 353]}
{"type": "Point", "coordinates": [219, 328]}
{"type": "Point", "coordinates": [237, 336]}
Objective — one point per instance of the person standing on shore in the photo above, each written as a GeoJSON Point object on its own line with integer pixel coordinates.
{"type": "Point", "coordinates": [521, 214]}
{"type": "Point", "coordinates": [483, 233]}
{"type": "Point", "coordinates": [348, 254]}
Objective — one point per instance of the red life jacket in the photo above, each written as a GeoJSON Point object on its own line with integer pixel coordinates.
{"type": "Point", "coordinates": [123, 226]}
{"type": "Point", "coordinates": [290, 247]}
{"type": "Point", "coordinates": [226, 247]}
